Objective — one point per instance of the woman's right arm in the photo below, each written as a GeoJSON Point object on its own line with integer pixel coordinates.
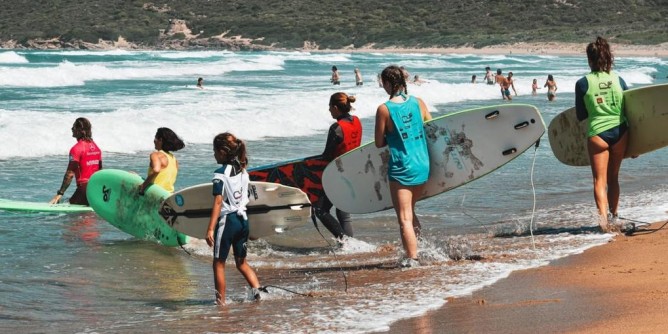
{"type": "Point", "coordinates": [215, 214]}
{"type": "Point", "coordinates": [382, 116]}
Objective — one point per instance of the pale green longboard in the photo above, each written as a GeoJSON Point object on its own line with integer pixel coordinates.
{"type": "Point", "coordinates": [646, 109]}
{"type": "Point", "coordinates": [114, 195]}
{"type": "Point", "coordinates": [463, 146]}
{"type": "Point", "coordinates": [26, 206]}
{"type": "Point", "coordinates": [273, 209]}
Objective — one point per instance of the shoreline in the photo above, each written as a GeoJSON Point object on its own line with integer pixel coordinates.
{"type": "Point", "coordinates": [545, 49]}
{"type": "Point", "coordinates": [522, 48]}
{"type": "Point", "coordinates": [618, 287]}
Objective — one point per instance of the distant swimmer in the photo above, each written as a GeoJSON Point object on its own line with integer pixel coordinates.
{"type": "Point", "coordinates": [358, 77]}
{"type": "Point", "coordinates": [85, 159]}
{"type": "Point", "coordinates": [551, 88]}
{"type": "Point", "coordinates": [200, 82]}
{"type": "Point", "coordinates": [336, 79]}
{"type": "Point", "coordinates": [534, 87]}
{"type": "Point", "coordinates": [489, 76]}
{"type": "Point", "coordinates": [473, 77]}
{"type": "Point", "coordinates": [418, 81]}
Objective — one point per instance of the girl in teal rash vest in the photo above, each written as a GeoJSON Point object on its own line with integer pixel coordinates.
{"type": "Point", "coordinates": [399, 125]}
{"type": "Point", "coordinates": [599, 97]}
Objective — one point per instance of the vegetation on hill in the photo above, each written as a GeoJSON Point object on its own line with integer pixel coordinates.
{"type": "Point", "coordinates": [342, 23]}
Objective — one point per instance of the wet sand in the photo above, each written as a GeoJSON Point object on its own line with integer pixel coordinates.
{"type": "Point", "coordinates": [619, 287]}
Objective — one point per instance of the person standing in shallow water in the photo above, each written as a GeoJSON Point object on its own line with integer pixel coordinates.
{"type": "Point", "coordinates": [335, 79]}
{"type": "Point", "coordinates": [400, 126]}
{"type": "Point", "coordinates": [85, 158]}
{"type": "Point", "coordinates": [228, 225]}
{"type": "Point", "coordinates": [551, 88]}
{"type": "Point", "coordinates": [599, 98]}
{"type": "Point", "coordinates": [358, 77]}
{"type": "Point", "coordinates": [343, 136]}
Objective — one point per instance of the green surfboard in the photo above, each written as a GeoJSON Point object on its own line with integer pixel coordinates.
{"type": "Point", "coordinates": [27, 206]}
{"type": "Point", "coordinates": [114, 195]}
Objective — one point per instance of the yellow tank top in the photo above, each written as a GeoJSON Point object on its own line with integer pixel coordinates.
{"type": "Point", "coordinates": [167, 176]}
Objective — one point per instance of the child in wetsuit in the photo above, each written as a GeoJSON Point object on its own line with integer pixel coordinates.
{"type": "Point", "coordinates": [228, 226]}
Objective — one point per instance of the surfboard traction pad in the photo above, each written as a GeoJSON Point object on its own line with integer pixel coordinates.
{"type": "Point", "coordinates": [305, 174]}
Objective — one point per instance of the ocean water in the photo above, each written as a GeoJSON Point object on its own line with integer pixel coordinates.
{"type": "Point", "coordinates": [76, 273]}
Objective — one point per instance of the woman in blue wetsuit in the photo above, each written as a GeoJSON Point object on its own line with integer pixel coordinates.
{"type": "Point", "coordinates": [343, 136]}
{"type": "Point", "coordinates": [599, 97]}
{"type": "Point", "coordinates": [400, 126]}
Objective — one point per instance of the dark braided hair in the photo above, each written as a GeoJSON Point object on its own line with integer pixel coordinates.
{"type": "Point", "coordinates": [232, 147]}
{"type": "Point", "coordinates": [599, 55]}
{"type": "Point", "coordinates": [394, 76]}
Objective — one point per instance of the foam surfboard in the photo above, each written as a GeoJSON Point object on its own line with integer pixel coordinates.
{"type": "Point", "coordinates": [463, 146]}
{"type": "Point", "coordinates": [27, 206]}
{"type": "Point", "coordinates": [303, 173]}
{"type": "Point", "coordinates": [646, 110]}
{"type": "Point", "coordinates": [273, 209]}
{"type": "Point", "coordinates": [114, 195]}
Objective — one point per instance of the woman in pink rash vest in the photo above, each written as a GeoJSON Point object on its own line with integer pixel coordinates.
{"type": "Point", "coordinates": [85, 159]}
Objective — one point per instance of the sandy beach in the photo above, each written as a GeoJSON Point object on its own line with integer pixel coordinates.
{"type": "Point", "coordinates": [619, 287]}
{"type": "Point", "coordinates": [543, 48]}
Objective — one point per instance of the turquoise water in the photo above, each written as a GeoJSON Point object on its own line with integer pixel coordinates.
{"type": "Point", "coordinates": [77, 273]}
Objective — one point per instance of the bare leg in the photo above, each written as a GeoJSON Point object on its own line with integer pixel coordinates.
{"type": "Point", "coordinates": [403, 200]}
{"type": "Point", "coordinates": [617, 152]}
{"type": "Point", "coordinates": [599, 157]}
{"type": "Point", "coordinates": [219, 280]}
{"type": "Point", "coordinates": [247, 272]}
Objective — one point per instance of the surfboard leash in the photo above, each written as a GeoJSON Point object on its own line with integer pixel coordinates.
{"type": "Point", "coordinates": [343, 272]}
{"type": "Point", "coordinates": [264, 289]}
{"type": "Point", "coordinates": [533, 190]}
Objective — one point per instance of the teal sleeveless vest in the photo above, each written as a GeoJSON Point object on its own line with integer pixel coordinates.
{"type": "Point", "coordinates": [409, 157]}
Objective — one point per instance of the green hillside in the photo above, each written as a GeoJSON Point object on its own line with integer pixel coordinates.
{"type": "Point", "coordinates": [336, 24]}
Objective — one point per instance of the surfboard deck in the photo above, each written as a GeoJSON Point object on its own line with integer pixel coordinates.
{"type": "Point", "coordinates": [273, 209]}
{"type": "Point", "coordinates": [463, 146]}
{"type": "Point", "coordinates": [114, 195]}
{"type": "Point", "coordinates": [646, 109]}
{"type": "Point", "coordinates": [303, 173]}
{"type": "Point", "coordinates": [27, 206]}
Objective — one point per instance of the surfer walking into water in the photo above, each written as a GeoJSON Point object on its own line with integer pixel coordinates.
{"type": "Point", "coordinates": [163, 167]}
{"type": "Point", "coordinates": [85, 158]}
{"type": "Point", "coordinates": [343, 136]}
{"type": "Point", "coordinates": [400, 126]}
{"type": "Point", "coordinates": [599, 98]}
{"type": "Point", "coordinates": [228, 225]}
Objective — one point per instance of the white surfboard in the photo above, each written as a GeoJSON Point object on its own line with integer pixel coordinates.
{"type": "Point", "coordinates": [463, 146]}
{"type": "Point", "coordinates": [273, 209]}
{"type": "Point", "coordinates": [646, 109]}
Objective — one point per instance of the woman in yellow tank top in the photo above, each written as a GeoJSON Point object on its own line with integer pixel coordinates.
{"type": "Point", "coordinates": [163, 168]}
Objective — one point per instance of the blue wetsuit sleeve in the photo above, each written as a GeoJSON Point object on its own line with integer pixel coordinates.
{"type": "Point", "coordinates": [333, 139]}
{"type": "Point", "coordinates": [218, 185]}
{"type": "Point", "coordinates": [581, 87]}
{"type": "Point", "coordinates": [623, 84]}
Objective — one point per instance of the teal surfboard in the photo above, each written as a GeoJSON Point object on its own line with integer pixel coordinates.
{"type": "Point", "coordinates": [27, 206]}
{"type": "Point", "coordinates": [114, 195]}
